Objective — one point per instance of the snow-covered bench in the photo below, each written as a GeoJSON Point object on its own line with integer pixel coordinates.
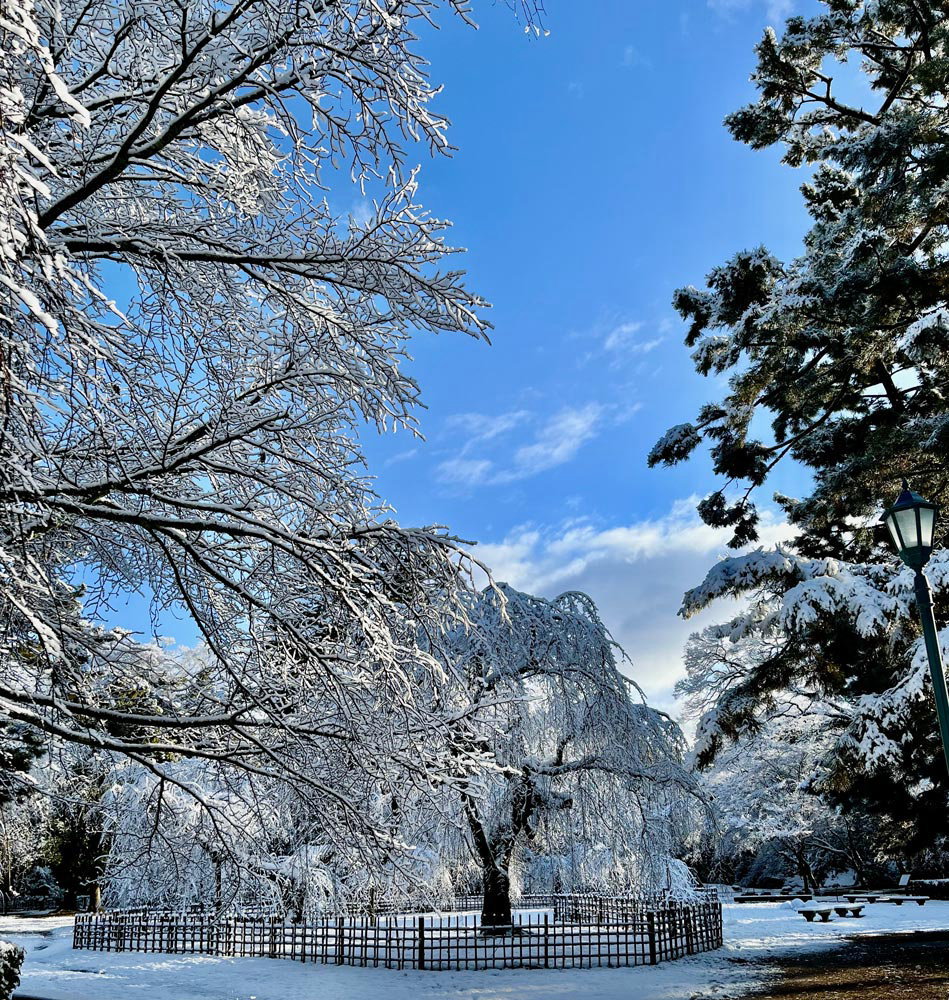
{"type": "Point", "coordinates": [809, 912]}
{"type": "Point", "coordinates": [854, 909]}
{"type": "Point", "coordinates": [775, 897]}
{"type": "Point", "coordinates": [900, 900]}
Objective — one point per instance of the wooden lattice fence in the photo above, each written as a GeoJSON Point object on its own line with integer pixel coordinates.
{"type": "Point", "coordinates": [646, 936]}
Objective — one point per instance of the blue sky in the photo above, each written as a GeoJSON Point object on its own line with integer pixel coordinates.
{"type": "Point", "coordinates": [593, 177]}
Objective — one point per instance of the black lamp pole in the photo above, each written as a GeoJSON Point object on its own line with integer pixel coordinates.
{"type": "Point", "coordinates": [911, 522]}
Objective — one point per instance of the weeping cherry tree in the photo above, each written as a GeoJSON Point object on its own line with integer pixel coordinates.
{"type": "Point", "coordinates": [580, 762]}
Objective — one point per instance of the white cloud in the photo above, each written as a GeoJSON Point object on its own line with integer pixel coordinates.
{"type": "Point", "coordinates": [481, 427]}
{"type": "Point", "coordinates": [558, 441]}
{"type": "Point", "coordinates": [401, 456]}
{"type": "Point", "coordinates": [465, 471]}
{"type": "Point", "coordinates": [362, 212]}
{"type": "Point", "coordinates": [624, 338]}
{"type": "Point", "coordinates": [621, 336]}
{"type": "Point", "coordinates": [776, 11]}
{"type": "Point", "coordinates": [636, 573]}
{"type": "Point", "coordinates": [555, 442]}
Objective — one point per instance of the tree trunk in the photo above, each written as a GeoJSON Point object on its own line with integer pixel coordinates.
{"type": "Point", "coordinates": [805, 871]}
{"type": "Point", "coordinates": [495, 859]}
{"type": "Point", "coordinates": [218, 884]}
{"type": "Point", "coordinates": [496, 909]}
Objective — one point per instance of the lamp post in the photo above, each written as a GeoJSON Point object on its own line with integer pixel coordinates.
{"type": "Point", "coordinates": [911, 522]}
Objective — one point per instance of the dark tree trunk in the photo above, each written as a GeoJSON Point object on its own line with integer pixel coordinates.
{"type": "Point", "coordinates": [496, 849]}
{"type": "Point", "coordinates": [496, 908]}
{"type": "Point", "coordinates": [495, 859]}
{"type": "Point", "coordinates": [218, 884]}
{"type": "Point", "coordinates": [805, 871]}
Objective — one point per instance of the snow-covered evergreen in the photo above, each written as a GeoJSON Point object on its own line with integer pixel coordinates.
{"type": "Point", "coordinates": [837, 360]}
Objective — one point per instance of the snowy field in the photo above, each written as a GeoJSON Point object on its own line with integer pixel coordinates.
{"type": "Point", "coordinates": [755, 935]}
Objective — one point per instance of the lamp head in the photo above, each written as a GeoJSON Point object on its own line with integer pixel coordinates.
{"type": "Point", "coordinates": [911, 522]}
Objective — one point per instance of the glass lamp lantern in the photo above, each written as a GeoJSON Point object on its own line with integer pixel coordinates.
{"type": "Point", "coordinates": [911, 522]}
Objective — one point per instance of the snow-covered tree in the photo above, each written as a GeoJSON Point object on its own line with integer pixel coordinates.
{"type": "Point", "coordinates": [835, 645]}
{"type": "Point", "coordinates": [770, 820]}
{"type": "Point", "coordinates": [22, 855]}
{"type": "Point", "coordinates": [843, 352]}
{"type": "Point", "coordinates": [844, 347]}
{"type": "Point", "coordinates": [194, 330]}
{"type": "Point", "coordinates": [585, 775]}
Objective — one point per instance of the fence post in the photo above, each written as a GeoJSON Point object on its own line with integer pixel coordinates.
{"type": "Point", "coordinates": [421, 942]}
{"type": "Point", "coordinates": [546, 942]}
{"type": "Point", "coordinates": [689, 932]}
{"type": "Point", "coordinates": [651, 926]}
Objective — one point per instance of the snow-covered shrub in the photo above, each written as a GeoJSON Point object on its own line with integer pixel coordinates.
{"type": "Point", "coordinates": [11, 960]}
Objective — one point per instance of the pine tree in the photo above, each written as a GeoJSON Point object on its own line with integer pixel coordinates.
{"type": "Point", "coordinates": [842, 351]}
{"type": "Point", "coordinates": [843, 347]}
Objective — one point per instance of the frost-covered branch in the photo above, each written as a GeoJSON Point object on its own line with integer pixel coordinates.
{"type": "Point", "coordinates": [194, 333]}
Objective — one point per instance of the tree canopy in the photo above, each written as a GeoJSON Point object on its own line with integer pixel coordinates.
{"type": "Point", "coordinates": [193, 337]}
{"type": "Point", "coordinates": [843, 348]}
{"type": "Point", "coordinates": [837, 360]}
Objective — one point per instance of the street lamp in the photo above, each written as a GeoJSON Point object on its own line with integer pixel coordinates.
{"type": "Point", "coordinates": [911, 522]}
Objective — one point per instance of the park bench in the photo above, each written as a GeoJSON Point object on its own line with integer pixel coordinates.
{"type": "Point", "coordinates": [900, 900]}
{"type": "Point", "coordinates": [866, 897]}
{"type": "Point", "coordinates": [773, 897]}
{"type": "Point", "coordinates": [854, 909]}
{"type": "Point", "coordinates": [809, 912]}
{"type": "Point", "coordinates": [900, 889]}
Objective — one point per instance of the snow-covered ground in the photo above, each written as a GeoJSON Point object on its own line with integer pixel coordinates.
{"type": "Point", "coordinates": [756, 935]}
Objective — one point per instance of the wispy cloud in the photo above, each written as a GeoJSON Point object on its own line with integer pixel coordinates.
{"type": "Point", "coordinates": [554, 443]}
{"type": "Point", "coordinates": [621, 335]}
{"type": "Point", "coordinates": [632, 57]}
{"type": "Point", "coordinates": [625, 338]}
{"type": "Point", "coordinates": [776, 11]}
{"type": "Point", "coordinates": [465, 472]}
{"type": "Point", "coordinates": [558, 441]}
{"type": "Point", "coordinates": [482, 427]}
{"type": "Point", "coordinates": [402, 456]}
{"type": "Point", "coordinates": [362, 211]}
